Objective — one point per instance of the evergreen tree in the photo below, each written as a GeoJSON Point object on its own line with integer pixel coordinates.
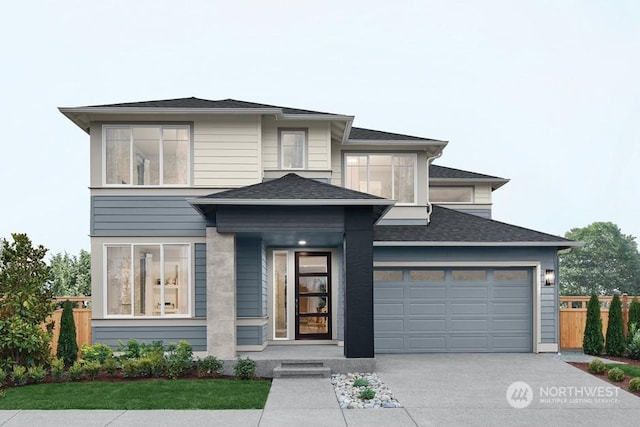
{"type": "Point", "coordinates": [593, 341]}
{"type": "Point", "coordinates": [615, 344]}
{"type": "Point", "coordinates": [634, 316]}
{"type": "Point", "coordinates": [67, 345]}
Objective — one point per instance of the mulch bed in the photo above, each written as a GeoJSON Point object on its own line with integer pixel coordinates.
{"type": "Point", "coordinates": [624, 384]}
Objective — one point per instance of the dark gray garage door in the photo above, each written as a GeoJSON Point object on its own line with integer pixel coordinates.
{"type": "Point", "coordinates": [419, 310]}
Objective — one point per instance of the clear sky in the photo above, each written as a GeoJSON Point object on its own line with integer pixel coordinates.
{"type": "Point", "coordinates": [546, 93]}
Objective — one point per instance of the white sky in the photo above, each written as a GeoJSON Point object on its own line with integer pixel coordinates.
{"type": "Point", "coordinates": [546, 93]}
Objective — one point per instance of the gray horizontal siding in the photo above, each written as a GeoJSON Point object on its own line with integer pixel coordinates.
{"type": "Point", "coordinates": [110, 335]}
{"type": "Point", "coordinates": [249, 277]}
{"type": "Point", "coordinates": [144, 216]}
{"type": "Point", "coordinates": [251, 335]}
{"type": "Point", "coordinates": [265, 218]}
{"type": "Point", "coordinates": [200, 304]}
{"type": "Point", "coordinates": [483, 213]}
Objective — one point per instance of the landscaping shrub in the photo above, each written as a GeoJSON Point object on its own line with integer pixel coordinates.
{"type": "Point", "coordinates": [615, 344]}
{"type": "Point", "coordinates": [130, 368]}
{"type": "Point", "coordinates": [367, 394]}
{"type": "Point", "coordinates": [596, 366]}
{"type": "Point", "coordinates": [36, 374]}
{"type": "Point", "coordinates": [76, 371]}
{"type": "Point", "coordinates": [156, 347]}
{"type": "Point", "coordinates": [129, 351]}
{"type": "Point", "coordinates": [67, 344]}
{"type": "Point", "coordinates": [110, 366]}
{"type": "Point", "coordinates": [245, 369]}
{"type": "Point", "coordinates": [3, 376]}
{"type": "Point", "coordinates": [634, 384]}
{"type": "Point", "coordinates": [361, 382]}
{"type": "Point", "coordinates": [2, 393]}
{"type": "Point", "coordinates": [96, 353]}
{"type": "Point", "coordinates": [615, 374]}
{"type": "Point", "coordinates": [634, 316]}
{"type": "Point", "coordinates": [26, 303]}
{"type": "Point", "coordinates": [57, 368]}
{"type": "Point", "coordinates": [19, 375]}
{"type": "Point", "coordinates": [593, 341]}
{"type": "Point", "coordinates": [209, 365]}
{"type": "Point", "coordinates": [633, 348]}
{"type": "Point", "coordinates": [155, 364]}
{"type": "Point", "coordinates": [92, 369]}
{"type": "Point", "coordinates": [179, 359]}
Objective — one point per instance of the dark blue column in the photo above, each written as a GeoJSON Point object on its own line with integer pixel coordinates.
{"type": "Point", "coordinates": [358, 253]}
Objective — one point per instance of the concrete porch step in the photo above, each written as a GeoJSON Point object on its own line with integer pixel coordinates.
{"type": "Point", "coordinates": [301, 369]}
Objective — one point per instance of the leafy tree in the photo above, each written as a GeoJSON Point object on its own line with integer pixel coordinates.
{"type": "Point", "coordinates": [608, 263]}
{"type": "Point", "coordinates": [70, 275]}
{"type": "Point", "coordinates": [67, 345]}
{"type": "Point", "coordinates": [593, 341]}
{"type": "Point", "coordinates": [615, 343]}
{"type": "Point", "coordinates": [634, 316]}
{"type": "Point", "coordinates": [25, 303]}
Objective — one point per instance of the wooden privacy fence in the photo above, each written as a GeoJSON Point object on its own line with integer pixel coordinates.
{"type": "Point", "coordinates": [573, 317]}
{"type": "Point", "coordinates": [81, 317]}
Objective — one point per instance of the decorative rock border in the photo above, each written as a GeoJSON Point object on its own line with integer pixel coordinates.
{"type": "Point", "coordinates": [348, 394]}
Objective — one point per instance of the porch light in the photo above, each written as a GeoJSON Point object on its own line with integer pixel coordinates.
{"type": "Point", "coordinates": [549, 277]}
{"type": "Point", "coordinates": [302, 242]}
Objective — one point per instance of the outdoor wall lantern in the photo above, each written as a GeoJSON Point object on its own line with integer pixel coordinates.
{"type": "Point", "coordinates": [549, 277]}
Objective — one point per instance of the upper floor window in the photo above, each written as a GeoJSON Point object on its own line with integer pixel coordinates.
{"type": "Point", "coordinates": [392, 176]}
{"type": "Point", "coordinates": [451, 194]}
{"type": "Point", "coordinates": [293, 149]}
{"type": "Point", "coordinates": [146, 155]}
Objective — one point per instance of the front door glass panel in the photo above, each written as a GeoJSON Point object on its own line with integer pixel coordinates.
{"type": "Point", "coordinates": [313, 290]}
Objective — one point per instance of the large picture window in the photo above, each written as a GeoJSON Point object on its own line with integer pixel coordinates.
{"type": "Point", "coordinates": [148, 280]}
{"type": "Point", "coordinates": [146, 155]}
{"type": "Point", "coordinates": [293, 147]}
{"type": "Point", "coordinates": [391, 176]}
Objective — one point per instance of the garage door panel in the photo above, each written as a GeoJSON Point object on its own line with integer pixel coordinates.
{"type": "Point", "coordinates": [469, 292]}
{"type": "Point", "coordinates": [469, 308]}
{"type": "Point", "coordinates": [469, 325]}
{"type": "Point", "coordinates": [427, 344]}
{"type": "Point", "coordinates": [387, 309]}
{"type": "Point", "coordinates": [427, 308]}
{"type": "Point", "coordinates": [428, 291]}
{"type": "Point", "coordinates": [455, 316]}
{"type": "Point", "coordinates": [427, 325]}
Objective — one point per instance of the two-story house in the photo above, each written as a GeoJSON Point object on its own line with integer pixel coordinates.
{"type": "Point", "coordinates": [237, 226]}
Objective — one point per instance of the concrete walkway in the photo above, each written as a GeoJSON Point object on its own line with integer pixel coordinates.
{"type": "Point", "coordinates": [435, 390]}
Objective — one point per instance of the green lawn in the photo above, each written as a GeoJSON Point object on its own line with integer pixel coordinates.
{"type": "Point", "coordinates": [630, 370]}
{"type": "Point", "coordinates": [149, 394]}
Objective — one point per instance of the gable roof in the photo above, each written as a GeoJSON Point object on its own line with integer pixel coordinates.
{"type": "Point", "coordinates": [449, 227]}
{"type": "Point", "coordinates": [362, 134]}
{"type": "Point", "coordinates": [196, 103]}
{"type": "Point", "coordinates": [446, 174]}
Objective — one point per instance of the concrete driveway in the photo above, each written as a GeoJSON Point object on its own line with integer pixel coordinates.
{"type": "Point", "coordinates": [471, 389]}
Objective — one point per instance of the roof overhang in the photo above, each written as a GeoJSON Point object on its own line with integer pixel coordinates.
{"type": "Point", "coordinates": [495, 183]}
{"type": "Point", "coordinates": [557, 244]}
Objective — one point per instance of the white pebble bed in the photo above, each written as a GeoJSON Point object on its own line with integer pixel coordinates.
{"type": "Point", "coordinates": [349, 395]}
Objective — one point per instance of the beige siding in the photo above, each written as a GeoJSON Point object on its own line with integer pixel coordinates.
{"type": "Point", "coordinates": [482, 194]}
{"type": "Point", "coordinates": [336, 164]}
{"type": "Point", "coordinates": [227, 151]}
{"type": "Point", "coordinates": [318, 148]}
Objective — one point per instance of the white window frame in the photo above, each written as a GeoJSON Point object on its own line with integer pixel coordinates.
{"type": "Point", "coordinates": [163, 315]}
{"type": "Point", "coordinates": [415, 173]}
{"type": "Point", "coordinates": [468, 187]}
{"type": "Point", "coordinates": [132, 158]}
{"type": "Point", "coordinates": [299, 131]}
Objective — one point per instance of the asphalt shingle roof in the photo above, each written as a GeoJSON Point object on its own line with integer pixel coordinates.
{"type": "Point", "coordinates": [377, 135]}
{"type": "Point", "coordinates": [204, 103]}
{"type": "Point", "coordinates": [292, 187]}
{"type": "Point", "coordinates": [437, 171]}
{"type": "Point", "coordinates": [448, 225]}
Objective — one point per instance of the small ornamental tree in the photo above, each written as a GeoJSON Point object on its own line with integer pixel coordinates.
{"type": "Point", "coordinates": [615, 330]}
{"type": "Point", "coordinates": [593, 341]}
{"type": "Point", "coordinates": [25, 303]}
{"type": "Point", "coordinates": [67, 345]}
{"type": "Point", "coordinates": [634, 316]}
